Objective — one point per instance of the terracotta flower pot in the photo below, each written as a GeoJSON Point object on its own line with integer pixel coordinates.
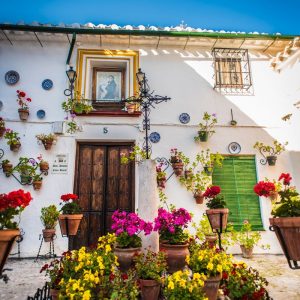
{"type": "Point", "coordinates": [70, 221]}
{"type": "Point", "coordinates": [130, 108]}
{"type": "Point", "coordinates": [211, 240]}
{"type": "Point", "coordinates": [149, 289]}
{"type": "Point", "coordinates": [161, 183]}
{"type": "Point", "coordinates": [203, 135]}
{"type": "Point", "coordinates": [37, 185]}
{"type": "Point", "coordinates": [215, 219]}
{"type": "Point", "coordinates": [175, 256]}
{"type": "Point", "coordinates": [44, 166]}
{"type": "Point", "coordinates": [174, 159]}
{"type": "Point", "coordinates": [198, 196]}
{"type": "Point", "coordinates": [271, 160]}
{"type": "Point", "coordinates": [15, 147]}
{"type": "Point", "coordinates": [23, 114]}
{"type": "Point", "coordinates": [211, 286]}
{"type": "Point", "coordinates": [7, 239]}
{"type": "Point", "coordinates": [7, 169]}
{"type": "Point", "coordinates": [54, 294]}
{"type": "Point", "coordinates": [47, 144]}
{"type": "Point", "coordinates": [247, 252]}
{"type": "Point", "coordinates": [178, 168]}
{"type": "Point", "coordinates": [125, 257]}
{"type": "Point", "coordinates": [48, 234]}
{"type": "Point", "coordinates": [290, 230]}
{"type": "Point", "coordinates": [2, 131]}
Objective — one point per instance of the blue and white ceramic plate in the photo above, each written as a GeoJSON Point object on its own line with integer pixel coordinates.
{"type": "Point", "coordinates": [184, 118]}
{"type": "Point", "coordinates": [154, 137]}
{"type": "Point", "coordinates": [12, 77]}
{"type": "Point", "coordinates": [41, 114]}
{"type": "Point", "coordinates": [234, 148]}
{"type": "Point", "coordinates": [47, 84]}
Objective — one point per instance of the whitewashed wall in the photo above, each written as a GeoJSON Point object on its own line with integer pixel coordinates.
{"type": "Point", "coordinates": [184, 76]}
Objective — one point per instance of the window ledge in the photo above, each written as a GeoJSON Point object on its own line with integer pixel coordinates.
{"type": "Point", "coordinates": [108, 113]}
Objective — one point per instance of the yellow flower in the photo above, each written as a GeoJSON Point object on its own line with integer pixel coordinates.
{"type": "Point", "coordinates": [107, 248]}
{"type": "Point", "coordinates": [86, 295]}
{"type": "Point", "coordinates": [219, 268]}
{"type": "Point", "coordinates": [210, 266]}
{"type": "Point", "coordinates": [196, 276]}
{"type": "Point", "coordinates": [171, 285]}
{"type": "Point", "coordinates": [187, 259]}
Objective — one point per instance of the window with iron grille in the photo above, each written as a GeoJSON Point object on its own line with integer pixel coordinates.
{"type": "Point", "coordinates": [232, 71]}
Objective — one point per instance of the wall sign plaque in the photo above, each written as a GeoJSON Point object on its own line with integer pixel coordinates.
{"type": "Point", "coordinates": [60, 164]}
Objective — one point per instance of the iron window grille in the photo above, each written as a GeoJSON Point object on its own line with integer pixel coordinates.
{"type": "Point", "coordinates": [232, 71]}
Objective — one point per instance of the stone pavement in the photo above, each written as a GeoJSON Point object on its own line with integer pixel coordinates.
{"type": "Point", "coordinates": [284, 282]}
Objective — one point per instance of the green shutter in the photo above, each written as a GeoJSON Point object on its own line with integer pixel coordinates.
{"type": "Point", "coordinates": [237, 178]}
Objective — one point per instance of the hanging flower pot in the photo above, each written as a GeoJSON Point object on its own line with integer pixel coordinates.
{"type": "Point", "coordinates": [48, 144]}
{"type": "Point", "coordinates": [211, 240]}
{"type": "Point", "coordinates": [15, 147]}
{"type": "Point", "coordinates": [2, 131]}
{"type": "Point", "coordinates": [161, 182]}
{"type": "Point", "coordinates": [203, 135]}
{"type": "Point", "coordinates": [25, 179]}
{"type": "Point", "coordinates": [7, 167]}
{"type": "Point", "coordinates": [216, 215]}
{"type": "Point", "coordinates": [130, 108]}
{"type": "Point", "coordinates": [178, 168]}
{"type": "Point", "coordinates": [150, 289]}
{"type": "Point", "coordinates": [44, 166]}
{"type": "Point", "coordinates": [199, 197]}
{"type": "Point", "coordinates": [37, 184]}
{"type": "Point", "coordinates": [69, 224]}
{"type": "Point", "coordinates": [48, 234]}
{"type": "Point", "coordinates": [271, 160]}
{"type": "Point", "coordinates": [125, 257]}
{"type": "Point", "coordinates": [176, 256]}
{"type": "Point", "coordinates": [23, 114]}
{"type": "Point", "coordinates": [247, 252]}
{"type": "Point", "coordinates": [211, 286]}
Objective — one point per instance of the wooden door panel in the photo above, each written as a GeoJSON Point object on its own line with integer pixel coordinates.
{"type": "Point", "coordinates": [95, 220]}
{"type": "Point", "coordinates": [113, 160]}
{"type": "Point", "coordinates": [81, 239]}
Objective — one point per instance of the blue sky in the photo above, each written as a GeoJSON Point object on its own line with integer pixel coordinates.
{"type": "Point", "coordinates": [253, 15]}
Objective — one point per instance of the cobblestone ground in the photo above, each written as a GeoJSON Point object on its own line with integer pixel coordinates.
{"type": "Point", "coordinates": [284, 282]}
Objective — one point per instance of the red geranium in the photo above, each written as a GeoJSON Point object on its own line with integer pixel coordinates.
{"type": "Point", "coordinates": [286, 178]}
{"type": "Point", "coordinates": [15, 199]}
{"type": "Point", "coordinates": [264, 188]}
{"type": "Point", "coordinates": [67, 197]}
{"type": "Point", "coordinates": [212, 191]}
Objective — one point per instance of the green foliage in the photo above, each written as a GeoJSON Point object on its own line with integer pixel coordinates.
{"type": "Point", "coordinates": [289, 204]}
{"type": "Point", "coordinates": [7, 215]}
{"type": "Point", "coordinates": [150, 265]}
{"type": "Point", "coordinates": [46, 137]}
{"type": "Point", "coordinates": [78, 105]}
{"type": "Point", "coordinates": [137, 154]}
{"type": "Point", "coordinates": [124, 240]}
{"type": "Point", "coordinates": [275, 149]}
{"type": "Point", "coordinates": [210, 160]}
{"type": "Point", "coordinates": [49, 216]}
{"type": "Point", "coordinates": [26, 167]}
{"type": "Point", "coordinates": [208, 124]}
{"type": "Point", "coordinates": [70, 208]}
{"type": "Point", "coordinates": [179, 237]}
{"type": "Point", "coordinates": [203, 228]}
{"type": "Point", "coordinates": [12, 137]}
{"type": "Point", "coordinates": [216, 202]}
{"type": "Point", "coordinates": [5, 162]}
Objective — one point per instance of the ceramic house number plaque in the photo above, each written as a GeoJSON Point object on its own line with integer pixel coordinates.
{"type": "Point", "coordinates": [60, 164]}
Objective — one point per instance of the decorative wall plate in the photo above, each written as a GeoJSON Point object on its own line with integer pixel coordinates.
{"type": "Point", "coordinates": [41, 114]}
{"type": "Point", "coordinates": [47, 84]}
{"type": "Point", "coordinates": [154, 137]}
{"type": "Point", "coordinates": [12, 77]}
{"type": "Point", "coordinates": [234, 148]}
{"type": "Point", "coordinates": [184, 118]}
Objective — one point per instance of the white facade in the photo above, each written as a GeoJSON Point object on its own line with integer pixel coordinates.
{"type": "Point", "coordinates": [185, 76]}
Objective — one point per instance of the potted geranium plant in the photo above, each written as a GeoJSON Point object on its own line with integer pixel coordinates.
{"type": "Point", "coordinates": [13, 140]}
{"type": "Point", "coordinates": [217, 212]}
{"type": "Point", "coordinates": [49, 219]}
{"type": "Point", "coordinates": [212, 263]}
{"type": "Point", "coordinates": [2, 127]}
{"type": "Point", "coordinates": [43, 164]}
{"type": "Point", "coordinates": [47, 140]}
{"type": "Point", "coordinates": [11, 205]}
{"type": "Point", "coordinates": [161, 177]}
{"type": "Point", "coordinates": [149, 269]}
{"type": "Point", "coordinates": [26, 168]}
{"type": "Point", "coordinates": [173, 239]}
{"type": "Point", "coordinates": [7, 167]}
{"type": "Point", "coordinates": [127, 226]}
{"type": "Point", "coordinates": [272, 151]}
{"type": "Point", "coordinates": [37, 181]}
{"type": "Point", "coordinates": [23, 103]}
{"type": "Point", "coordinates": [207, 127]}
{"type": "Point", "coordinates": [176, 162]}
{"type": "Point", "coordinates": [70, 217]}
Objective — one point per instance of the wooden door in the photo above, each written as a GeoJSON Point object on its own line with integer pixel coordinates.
{"type": "Point", "coordinates": [103, 186]}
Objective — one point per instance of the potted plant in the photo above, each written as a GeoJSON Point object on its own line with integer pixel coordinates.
{"type": "Point", "coordinates": [201, 182]}
{"type": "Point", "coordinates": [13, 140]}
{"type": "Point", "coordinates": [23, 105]}
{"type": "Point", "coordinates": [217, 212]}
{"type": "Point", "coordinates": [26, 168]}
{"type": "Point", "coordinates": [70, 218]}
{"type": "Point", "coordinates": [173, 239]}
{"type": "Point", "coordinates": [137, 155]}
{"type": "Point", "coordinates": [207, 127]}
{"type": "Point", "coordinates": [127, 226]}
{"type": "Point", "coordinates": [149, 269]}
{"type": "Point", "coordinates": [44, 165]}
{"type": "Point", "coordinates": [176, 162]}
{"type": "Point", "coordinates": [130, 107]}
{"type": "Point", "coordinates": [47, 140]}
{"type": "Point", "coordinates": [7, 167]}
{"type": "Point", "coordinates": [161, 177]}
{"type": "Point", "coordinates": [183, 285]}
{"type": "Point", "coordinates": [211, 263]}
{"type": "Point", "coordinates": [2, 127]}
{"type": "Point", "coordinates": [209, 160]}
{"type": "Point", "coordinates": [78, 105]}
{"type": "Point", "coordinates": [272, 151]}
{"type": "Point", "coordinates": [11, 205]}
{"type": "Point", "coordinates": [49, 219]}
{"type": "Point", "coordinates": [247, 239]}
{"type": "Point", "coordinates": [204, 232]}
{"type": "Point", "coordinates": [286, 219]}
{"type": "Point", "coordinates": [37, 181]}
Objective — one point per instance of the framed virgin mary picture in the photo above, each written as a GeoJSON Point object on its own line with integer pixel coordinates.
{"type": "Point", "coordinates": [108, 84]}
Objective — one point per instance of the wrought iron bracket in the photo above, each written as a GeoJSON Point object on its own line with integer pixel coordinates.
{"type": "Point", "coordinates": [294, 265]}
{"type": "Point", "coordinates": [19, 239]}
{"type": "Point", "coordinates": [263, 150]}
{"type": "Point", "coordinates": [51, 253]}
{"type": "Point", "coordinates": [166, 163]}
